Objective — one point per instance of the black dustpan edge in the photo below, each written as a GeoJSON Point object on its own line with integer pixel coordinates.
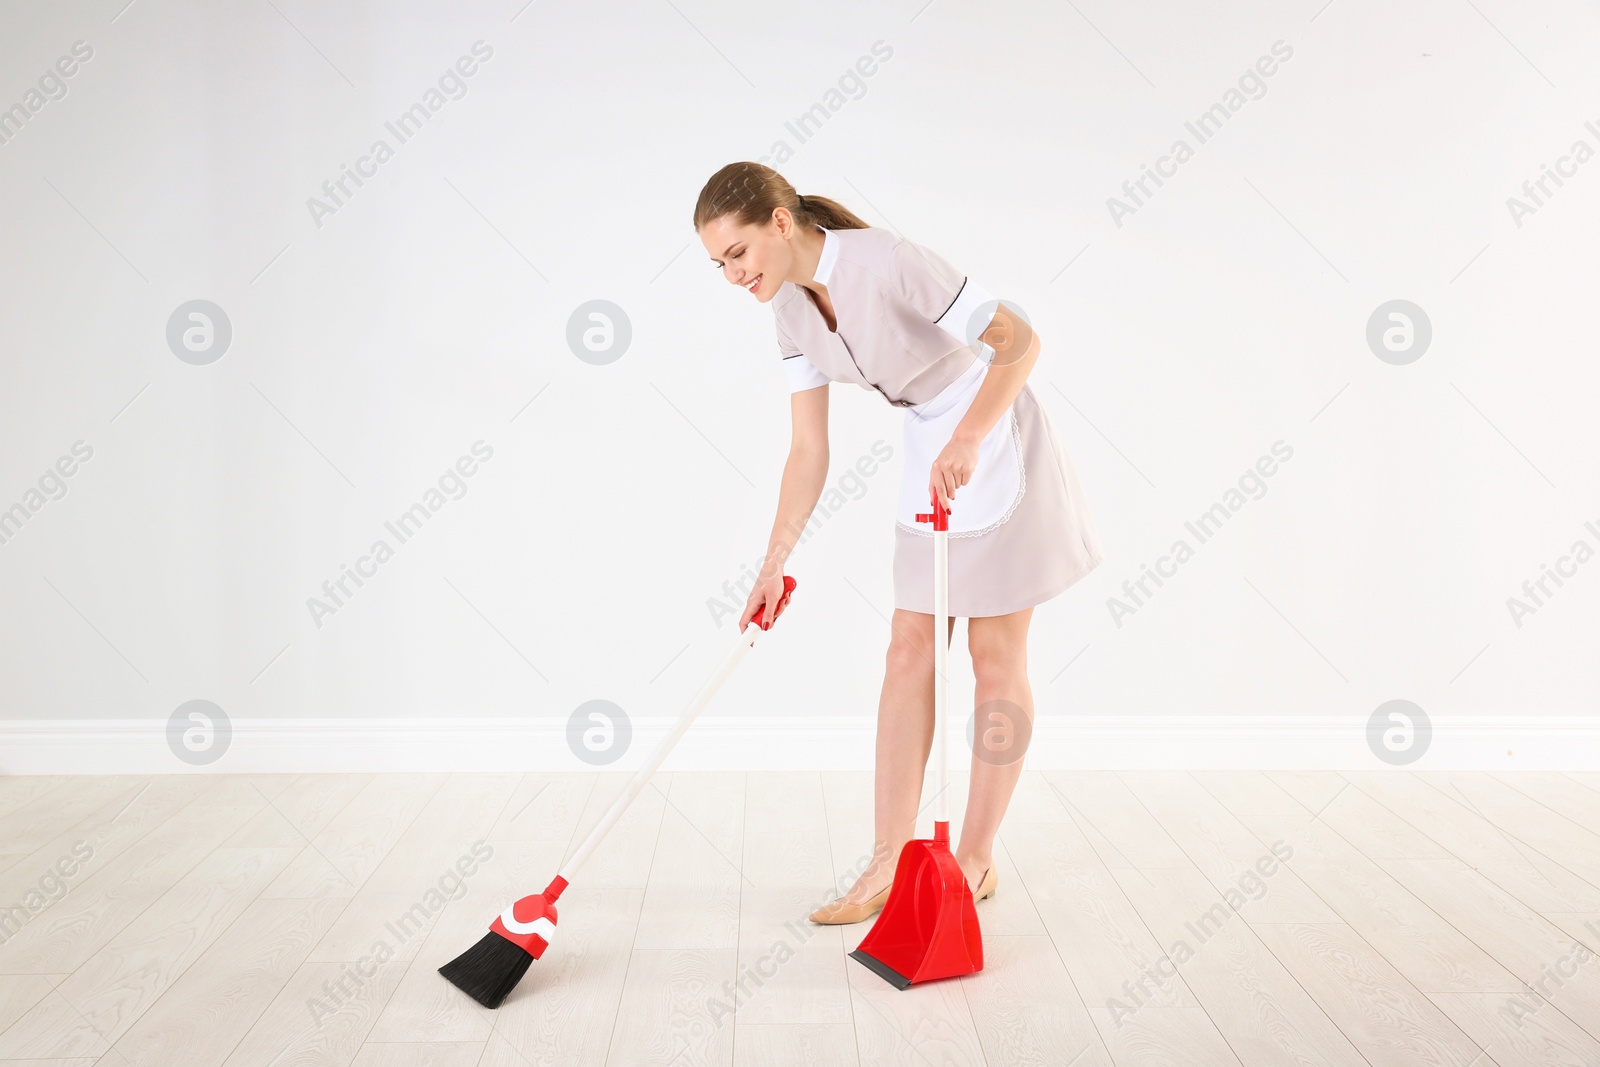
{"type": "Point", "coordinates": [881, 969]}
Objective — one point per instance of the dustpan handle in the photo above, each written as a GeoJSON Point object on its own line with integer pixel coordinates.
{"type": "Point", "coordinates": [941, 654]}
{"type": "Point", "coordinates": [746, 640]}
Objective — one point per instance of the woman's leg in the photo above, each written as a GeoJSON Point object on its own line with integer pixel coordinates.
{"type": "Point", "coordinates": [999, 647]}
{"type": "Point", "coordinates": [905, 737]}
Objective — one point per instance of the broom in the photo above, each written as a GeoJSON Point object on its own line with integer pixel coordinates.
{"type": "Point", "coordinates": [488, 971]}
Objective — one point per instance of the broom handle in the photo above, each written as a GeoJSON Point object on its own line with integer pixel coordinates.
{"type": "Point", "coordinates": [939, 515]}
{"type": "Point", "coordinates": [941, 658]}
{"type": "Point", "coordinates": [747, 639]}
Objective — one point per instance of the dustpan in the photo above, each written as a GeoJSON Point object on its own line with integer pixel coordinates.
{"type": "Point", "coordinates": [928, 928]}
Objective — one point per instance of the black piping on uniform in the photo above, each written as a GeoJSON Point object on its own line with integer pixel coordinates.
{"type": "Point", "coordinates": [952, 303]}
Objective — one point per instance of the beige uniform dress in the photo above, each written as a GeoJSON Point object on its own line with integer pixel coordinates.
{"type": "Point", "coordinates": [908, 322]}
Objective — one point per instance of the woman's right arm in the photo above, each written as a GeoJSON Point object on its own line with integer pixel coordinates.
{"type": "Point", "coordinates": [804, 476]}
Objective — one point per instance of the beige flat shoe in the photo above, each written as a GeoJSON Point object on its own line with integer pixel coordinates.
{"type": "Point", "coordinates": [839, 913]}
{"type": "Point", "coordinates": [986, 885]}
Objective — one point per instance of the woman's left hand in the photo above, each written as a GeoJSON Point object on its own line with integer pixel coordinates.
{"type": "Point", "coordinates": [952, 469]}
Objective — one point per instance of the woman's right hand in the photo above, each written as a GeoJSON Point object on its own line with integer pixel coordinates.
{"type": "Point", "coordinates": [766, 591]}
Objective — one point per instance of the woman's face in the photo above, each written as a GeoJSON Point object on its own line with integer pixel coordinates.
{"type": "Point", "coordinates": [757, 258]}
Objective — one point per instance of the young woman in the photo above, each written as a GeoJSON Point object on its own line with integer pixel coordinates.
{"type": "Point", "coordinates": [855, 303]}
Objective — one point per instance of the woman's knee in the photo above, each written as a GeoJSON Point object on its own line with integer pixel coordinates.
{"type": "Point", "coordinates": [999, 649]}
{"type": "Point", "coordinates": [910, 642]}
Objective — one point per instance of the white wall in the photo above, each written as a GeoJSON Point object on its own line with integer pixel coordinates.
{"type": "Point", "coordinates": [371, 348]}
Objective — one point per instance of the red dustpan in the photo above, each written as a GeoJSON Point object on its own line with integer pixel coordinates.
{"type": "Point", "coordinates": [928, 927]}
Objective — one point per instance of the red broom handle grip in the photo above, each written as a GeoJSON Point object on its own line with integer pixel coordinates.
{"type": "Point", "coordinates": [940, 516]}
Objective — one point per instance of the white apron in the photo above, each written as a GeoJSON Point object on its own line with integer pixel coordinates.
{"type": "Point", "coordinates": [996, 486]}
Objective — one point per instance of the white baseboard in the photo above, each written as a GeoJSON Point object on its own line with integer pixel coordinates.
{"type": "Point", "coordinates": [139, 746]}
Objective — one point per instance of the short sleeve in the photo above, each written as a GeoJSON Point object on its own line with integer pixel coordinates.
{"type": "Point", "coordinates": [798, 371]}
{"type": "Point", "coordinates": [939, 292]}
{"type": "Point", "coordinates": [802, 374]}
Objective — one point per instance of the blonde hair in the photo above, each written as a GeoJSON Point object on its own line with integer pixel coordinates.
{"type": "Point", "coordinates": [751, 192]}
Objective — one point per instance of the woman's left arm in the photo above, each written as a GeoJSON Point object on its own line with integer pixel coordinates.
{"type": "Point", "coordinates": [1016, 350]}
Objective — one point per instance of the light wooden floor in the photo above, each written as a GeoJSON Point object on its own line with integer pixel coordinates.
{"type": "Point", "coordinates": [1411, 918]}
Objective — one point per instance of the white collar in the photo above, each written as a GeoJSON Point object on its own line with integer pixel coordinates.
{"type": "Point", "coordinates": [830, 254]}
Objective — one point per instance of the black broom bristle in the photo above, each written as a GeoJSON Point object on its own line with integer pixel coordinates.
{"type": "Point", "coordinates": [488, 971]}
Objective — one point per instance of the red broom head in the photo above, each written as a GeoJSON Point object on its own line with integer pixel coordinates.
{"type": "Point", "coordinates": [488, 971]}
